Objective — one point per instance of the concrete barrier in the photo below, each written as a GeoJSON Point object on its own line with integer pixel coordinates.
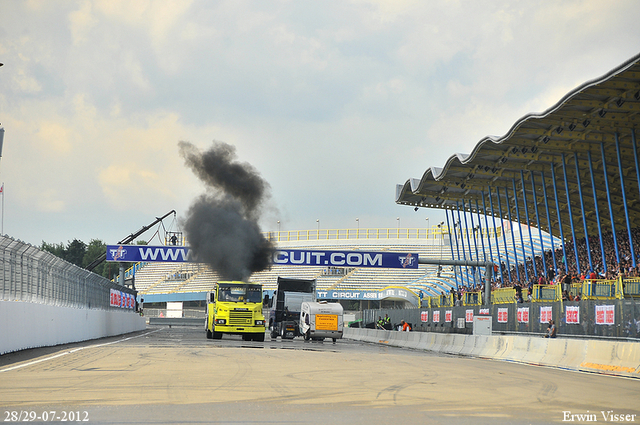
{"type": "Point", "coordinates": [177, 321]}
{"type": "Point", "coordinates": [29, 325]}
{"type": "Point", "coordinates": [610, 357]}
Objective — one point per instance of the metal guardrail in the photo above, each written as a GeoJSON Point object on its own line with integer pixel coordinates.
{"type": "Point", "coordinates": [383, 233]}
{"type": "Point", "coordinates": [32, 275]}
{"type": "Point", "coordinates": [439, 301]}
{"type": "Point", "coordinates": [631, 287]}
{"type": "Point", "coordinates": [472, 298]}
{"type": "Point", "coordinates": [602, 289]}
{"type": "Point", "coordinates": [545, 293]}
{"type": "Point", "coordinates": [503, 296]}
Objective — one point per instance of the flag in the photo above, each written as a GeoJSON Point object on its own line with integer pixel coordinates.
{"type": "Point", "coordinates": [2, 188]}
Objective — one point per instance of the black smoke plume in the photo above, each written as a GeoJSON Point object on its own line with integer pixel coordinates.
{"type": "Point", "coordinates": [222, 224]}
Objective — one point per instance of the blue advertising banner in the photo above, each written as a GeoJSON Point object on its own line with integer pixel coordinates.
{"type": "Point", "coordinates": [294, 257]}
{"type": "Point", "coordinates": [354, 295]}
{"type": "Point", "coordinates": [391, 260]}
{"type": "Point", "coordinates": [136, 253]}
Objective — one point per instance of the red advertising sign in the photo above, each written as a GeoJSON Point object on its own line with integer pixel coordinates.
{"type": "Point", "coordinates": [605, 314]}
{"type": "Point", "coordinates": [469, 316]}
{"type": "Point", "coordinates": [503, 315]}
{"type": "Point", "coordinates": [523, 314]}
{"type": "Point", "coordinates": [546, 314]}
{"type": "Point", "coordinates": [572, 313]}
{"type": "Point", "coordinates": [436, 316]}
{"type": "Point", "coordinates": [424, 316]}
{"type": "Point", "coordinates": [448, 316]}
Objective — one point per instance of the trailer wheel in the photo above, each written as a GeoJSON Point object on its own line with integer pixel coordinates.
{"type": "Point", "coordinates": [334, 340]}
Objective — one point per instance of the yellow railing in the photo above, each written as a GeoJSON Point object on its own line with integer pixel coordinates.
{"type": "Point", "coordinates": [472, 298]}
{"type": "Point", "coordinates": [602, 289]}
{"type": "Point", "coordinates": [632, 287]}
{"type": "Point", "coordinates": [546, 293]}
{"type": "Point", "coordinates": [433, 232]}
{"type": "Point", "coordinates": [503, 296]}
{"type": "Point", "coordinates": [440, 301]}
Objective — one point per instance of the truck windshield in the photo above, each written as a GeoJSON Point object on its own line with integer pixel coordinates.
{"type": "Point", "coordinates": [240, 293]}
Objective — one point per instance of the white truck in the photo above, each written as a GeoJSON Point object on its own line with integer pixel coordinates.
{"type": "Point", "coordinates": [320, 320]}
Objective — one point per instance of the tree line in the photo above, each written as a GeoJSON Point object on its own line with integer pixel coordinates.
{"type": "Point", "coordinates": [81, 254]}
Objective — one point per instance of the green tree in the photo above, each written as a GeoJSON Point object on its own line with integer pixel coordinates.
{"type": "Point", "coordinates": [95, 249]}
{"type": "Point", "coordinates": [55, 249]}
{"type": "Point", "coordinates": [75, 251]}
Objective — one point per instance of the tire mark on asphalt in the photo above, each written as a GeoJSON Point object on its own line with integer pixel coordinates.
{"type": "Point", "coordinates": [20, 366]}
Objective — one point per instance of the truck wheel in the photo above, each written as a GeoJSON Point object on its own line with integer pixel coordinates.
{"type": "Point", "coordinates": [217, 335]}
{"type": "Point", "coordinates": [209, 334]}
{"type": "Point", "coordinates": [334, 340]}
{"type": "Point", "coordinates": [259, 337]}
{"type": "Point", "coordinates": [307, 337]}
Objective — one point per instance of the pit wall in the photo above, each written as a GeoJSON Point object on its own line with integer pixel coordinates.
{"type": "Point", "coordinates": [26, 325]}
{"type": "Point", "coordinates": [609, 357]}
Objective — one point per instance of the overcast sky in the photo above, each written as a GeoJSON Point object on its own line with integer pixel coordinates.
{"type": "Point", "coordinates": [332, 102]}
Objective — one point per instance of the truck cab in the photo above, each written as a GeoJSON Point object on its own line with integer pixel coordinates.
{"type": "Point", "coordinates": [235, 308]}
{"type": "Point", "coordinates": [284, 307]}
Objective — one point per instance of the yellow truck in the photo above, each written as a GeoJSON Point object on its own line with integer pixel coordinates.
{"type": "Point", "coordinates": [235, 308]}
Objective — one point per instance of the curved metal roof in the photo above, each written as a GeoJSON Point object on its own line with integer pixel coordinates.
{"type": "Point", "coordinates": [581, 129]}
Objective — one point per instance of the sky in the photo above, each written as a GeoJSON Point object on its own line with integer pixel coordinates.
{"type": "Point", "coordinates": [333, 103]}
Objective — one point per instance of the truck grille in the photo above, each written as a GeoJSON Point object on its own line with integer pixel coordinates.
{"type": "Point", "coordinates": [240, 318]}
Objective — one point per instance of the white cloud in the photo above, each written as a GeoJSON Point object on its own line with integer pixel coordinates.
{"type": "Point", "coordinates": [333, 102]}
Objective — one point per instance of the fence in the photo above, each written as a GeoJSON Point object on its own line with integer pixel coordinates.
{"type": "Point", "coordinates": [32, 275]}
{"type": "Point", "coordinates": [433, 232]}
{"type": "Point", "coordinates": [607, 318]}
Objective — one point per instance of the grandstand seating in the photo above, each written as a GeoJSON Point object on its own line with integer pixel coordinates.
{"type": "Point", "coordinates": [169, 278]}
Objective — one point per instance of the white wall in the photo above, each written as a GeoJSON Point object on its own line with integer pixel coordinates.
{"type": "Point", "coordinates": [28, 325]}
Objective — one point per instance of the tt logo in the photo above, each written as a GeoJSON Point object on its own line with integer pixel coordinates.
{"type": "Point", "coordinates": [119, 253]}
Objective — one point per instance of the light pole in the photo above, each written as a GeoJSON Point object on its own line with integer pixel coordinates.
{"type": "Point", "coordinates": [358, 232]}
{"type": "Point", "coordinates": [427, 227]}
{"type": "Point", "coordinates": [318, 222]}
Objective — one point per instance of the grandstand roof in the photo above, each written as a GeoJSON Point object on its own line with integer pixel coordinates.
{"type": "Point", "coordinates": [585, 125]}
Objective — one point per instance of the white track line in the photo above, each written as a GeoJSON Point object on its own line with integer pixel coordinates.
{"type": "Point", "coordinates": [73, 351]}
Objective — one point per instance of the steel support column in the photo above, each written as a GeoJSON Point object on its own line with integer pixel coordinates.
{"type": "Point", "coordinates": [524, 254]}
{"type": "Point", "coordinates": [555, 193]}
{"type": "Point", "coordinates": [513, 238]}
{"type": "Point", "coordinates": [624, 202]}
{"type": "Point", "coordinates": [573, 232]}
{"type": "Point", "coordinates": [484, 253]}
{"type": "Point", "coordinates": [606, 184]}
{"type": "Point", "coordinates": [535, 204]}
{"type": "Point", "coordinates": [504, 236]}
{"type": "Point", "coordinates": [455, 275]}
{"type": "Point", "coordinates": [495, 234]}
{"type": "Point", "coordinates": [597, 210]}
{"type": "Point", "coordinates": [526, 214]}
{"type": "Point", "coordinates": [546, 206]}
{"type": "Point", "coordinates": [464, 253]}
{"type": "Point", "coordinates": [582, 208]}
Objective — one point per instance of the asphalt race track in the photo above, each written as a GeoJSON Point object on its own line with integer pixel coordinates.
{"type": "Point", "coordinates": [175, 375]}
